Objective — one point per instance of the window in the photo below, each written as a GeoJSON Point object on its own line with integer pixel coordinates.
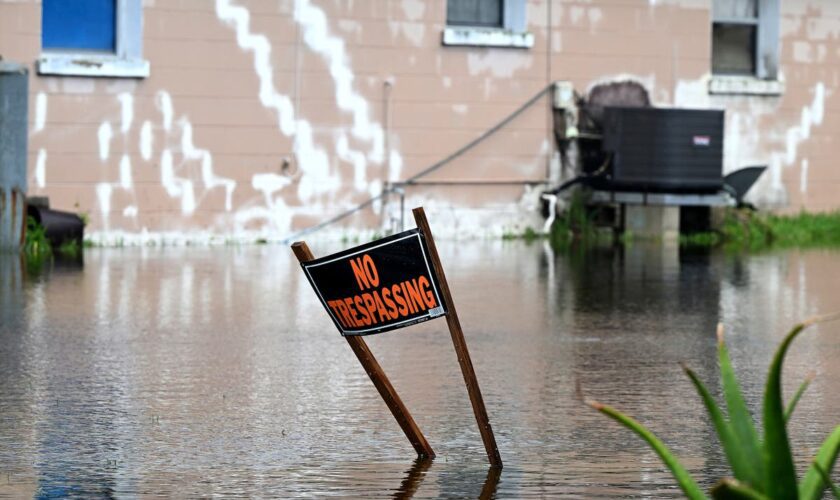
{"type": "Point", "coordinates": [474, 13]}
{"type": "Point", "coordinates": [92, 38]}
{"type": "Point", "coordinates": [745, 38]}
{"type": "Point", "coordinates": [489, 23]}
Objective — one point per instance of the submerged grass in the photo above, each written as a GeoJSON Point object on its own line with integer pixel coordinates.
{"type": "Point", "coordinates": [741, 229]}
{"type": "Point", "coordinates": [746, 229]}
{"type": "Point", "coordinates": [762, 465]}
{"type": "Point", "coordinates": [37, 250]}
{"type": "Point", "coordinates": [576, 226]}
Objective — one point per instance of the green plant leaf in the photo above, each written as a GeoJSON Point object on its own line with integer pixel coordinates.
{"type": "Point", "coordinates": [741, 421]}
{"type": "Point", "coordinates": [777, 455]}
{"type": "Point", "coordinates": [730, 489]}
{"type": "Point", "coordinates": [796, 397]}
{"type": "Point", "coordinates": [684, 479]}
{"type": "Point", "coordinates": [827, 481]}
{"type": "Point", "coordinates": [813, 484]}
{"type": "Point", "coordinates": [734, 454]}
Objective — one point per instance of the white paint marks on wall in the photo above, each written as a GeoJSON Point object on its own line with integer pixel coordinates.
{"type": "Point", "coordinates": [40, 123]}
{"type": "Point", "coordinates": [578, 14]}
{"type": "Point", "coordinates": [208, 177]}
{"type": "Point", "coordinates": [691, 93]}
{"type": "Point", "coordinates": [357, 159]}
{"type": "Point", "coordinates": [275, 211]}
{"type": "Point", "coordinates": [269, 184]}
{"type": "Point", "coordinates": [103, 194]}
{"type": "Point", "coordinates": [595, 15]}
{"type": "Point", "coordinates": [317, 37]}
{"type": "Point", "coordinates": [240, 18]}
{"type": "Point", "coordinates": [803, 176]}
{"type": "Point", "coordinates": [125, 172]}
{"type": "Point", "coordinates": [41, 168]}
{"type": "Point", "coordinates": [40, 112]}
{"type": "Point", "coordinates": [395, 164]}
{"type": "Point", "coordinates": [163, 102]}
{"type": "Point", "coordinates": [146, 140]}
{"type": "Point", "coordinates": [316, 177]}
{"type": "Point", "coordinates": [175, 186]}
{"type": "Point", "coordinates": [414, 10]}
{"type": "Point", "coordinates": [500, 64]}
{"type": "Point", "coordinates": [313, 161]}
{"type": "Point", "coordinates": [811, 115]}
{"type": "Point", "coordinates": [414, 32]}
{"type": "Point", "coordinates": [126, 111]}
{"type": "Point", "coordinates": [105, 134]}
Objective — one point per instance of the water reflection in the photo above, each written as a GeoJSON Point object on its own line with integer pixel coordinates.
{"type": "Point", "coordinates": [413, 478]}
{"type": "Point", "coordinates": [202, 372]}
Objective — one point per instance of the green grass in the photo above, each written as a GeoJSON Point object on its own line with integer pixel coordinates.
{"type": "Point", "coordinates": [762, 464]}
{"type": "Point", "coordinates": [529, 235]}
{"type": "Point", "coordinates": [36, 242]}
{"type": "Point", "coordinates": [37, 250]}
{"type": "Point", "coordinates": [70, 248]}
{"type": "Point", "coordinates": [748, 230]}
{"type": "Point", "coordinates": [576, 226]}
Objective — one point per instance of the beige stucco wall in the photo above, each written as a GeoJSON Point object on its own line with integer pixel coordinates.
{"type": "Point", "coordinates": [354, 94]}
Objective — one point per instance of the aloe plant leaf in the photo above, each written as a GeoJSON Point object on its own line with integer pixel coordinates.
{"type": "Point", "coordinates": [734, 454]}
{"type": "Point", "coordinates": [777, 454]}
{"type": "Point", "coordinates": [740, 420]}
{"type": "Point", "coordinates": [731, 489]}
{"type": "Point", "coordinates": [684, 479]}
{"type": "Point", "coordinates": [827, 481]}
{"type": "Point", "coordinates": [813, 484]}
{"type": "Point", "coordinates": [798, 395]}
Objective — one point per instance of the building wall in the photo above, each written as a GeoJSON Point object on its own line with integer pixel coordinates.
{"type": "Point", "coordinates": [351, 95]}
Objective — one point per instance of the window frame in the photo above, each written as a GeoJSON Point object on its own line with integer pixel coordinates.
{"type": "Point", "coordinates": [765, 80]}
{"type": "Point", "coordinates": [512, 34]}
{"type": "Point", "coordinates": [125, 62]}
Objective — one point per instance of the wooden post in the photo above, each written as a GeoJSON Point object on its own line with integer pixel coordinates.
{"type": "Point", "coordinates": [460, 346]}
{"type": "Point", "coordinates": [380, 380]}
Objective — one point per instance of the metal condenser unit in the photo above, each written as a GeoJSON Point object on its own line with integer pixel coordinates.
{"type": "Point", "coordinates": [664, 150]}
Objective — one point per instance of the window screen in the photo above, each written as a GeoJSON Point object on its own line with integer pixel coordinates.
{"type": "Point", "coordinates": [79, 25]}
{"type": "Point", "coordinates": [733, 49]}
{"type": "Point", "coordinates": [735, 37]}
{"type": "Point", "coordinates": [474, 12]}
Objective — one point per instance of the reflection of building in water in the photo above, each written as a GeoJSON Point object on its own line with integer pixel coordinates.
{"type": "Point", "coordinates": [11, 293]}
{"type": "Point", "coordinates": [17, 401]}
{"type": "Point", "coordinates": [216, 372]}
{"type": "Point", "coordinates": [261, 118]}
{"type": "Point", "coordinates": [637, 311]}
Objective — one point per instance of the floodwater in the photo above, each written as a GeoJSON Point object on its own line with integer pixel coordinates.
{"type": "Point", "coordinates": [194, 372]}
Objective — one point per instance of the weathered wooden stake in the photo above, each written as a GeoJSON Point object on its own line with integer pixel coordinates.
{"type": "Point", "coordinates": [460, 346]}
{"type": "Point", "coordinates": [380, 380]}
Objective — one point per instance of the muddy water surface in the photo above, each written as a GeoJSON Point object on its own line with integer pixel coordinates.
{"type": "Point", "coordinates": [214, 371]}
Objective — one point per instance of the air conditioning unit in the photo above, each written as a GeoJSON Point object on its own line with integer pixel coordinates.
{"type": "Point", "coordinates": [664, 149]}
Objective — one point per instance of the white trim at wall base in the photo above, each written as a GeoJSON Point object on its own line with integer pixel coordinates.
{"type": "Point", "coordinates": [745, 85]}
{"type": "Point", "coordinates": [486, 37]}
{"type": "Point", "coordinates": [104, 65]}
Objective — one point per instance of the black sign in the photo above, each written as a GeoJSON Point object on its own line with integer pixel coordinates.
{"type": "Point", "coordinates": [383, 285]}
